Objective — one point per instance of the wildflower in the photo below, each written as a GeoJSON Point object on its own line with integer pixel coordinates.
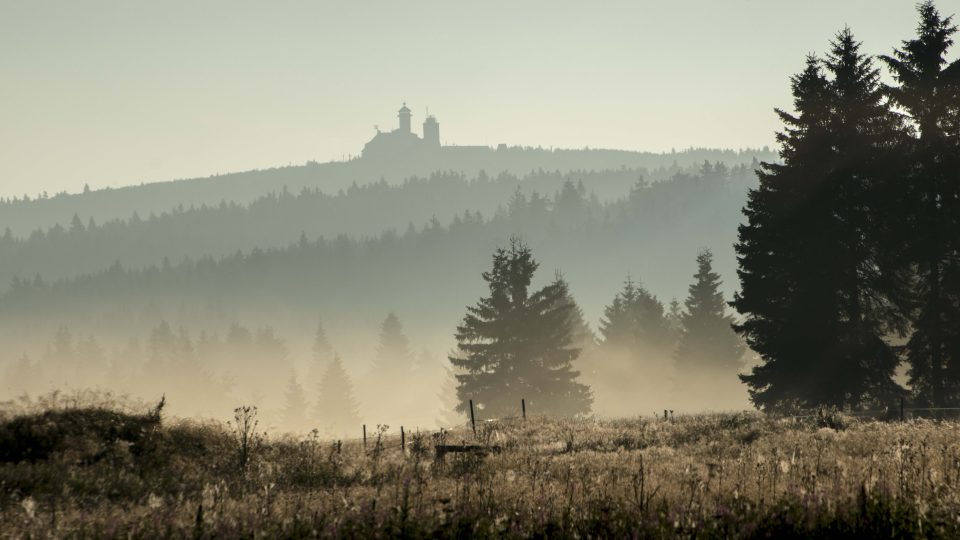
{"type": "Point", "coordinates": [154, 502]}
{"type": "Point", "coordinates": [29, 507]}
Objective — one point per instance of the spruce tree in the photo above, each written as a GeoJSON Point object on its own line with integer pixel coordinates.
{"type": "Point", "coordinates": [929, 91]}
{"type": "Point", "coordinates": [816, 306]}
{"type": "Point", "coordinates": [295, 406]}
{"type": "Point", "coordinates": [635, 321]}
{"type": "Point", "coordinates": [708, 345]}
{"type": "Point", "coordinates": [450, 415]}
{"type": "Point", "coordinates": [322, 355]}
{"type": "Point", "coordinates": [583, 338]}
{"type": "Point", "coordinates": [393, 351]}
{"type": "Point", "coordinates": [336, 409]}
{"type": "Point", "coordinates": [516, 344]}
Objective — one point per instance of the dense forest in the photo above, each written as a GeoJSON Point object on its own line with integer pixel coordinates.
{"type": "Point", "coordinates": [277, 219]}
{"type": "Point", "coordinates": [647, 233]}
{"type": "Point", "coordinates": [117, 316]}
{"type": "Point", "coordinates": [29, 212]}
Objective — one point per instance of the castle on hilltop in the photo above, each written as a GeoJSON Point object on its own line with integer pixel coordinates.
{"type": "Point", "coordinates": [403, 142]}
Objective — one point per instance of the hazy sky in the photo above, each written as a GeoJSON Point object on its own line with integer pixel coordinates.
{"type": "Point", "coordinates": [114, 93]}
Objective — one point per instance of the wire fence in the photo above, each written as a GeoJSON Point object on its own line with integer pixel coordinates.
{"type": "Point", "coordinates": [379, 439]}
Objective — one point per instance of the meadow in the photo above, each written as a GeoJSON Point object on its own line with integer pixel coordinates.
{"type": "Point", "coordinates": [86, 468]}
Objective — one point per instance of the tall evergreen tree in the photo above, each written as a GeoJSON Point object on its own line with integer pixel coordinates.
{"type": "Point", "coordinates": [708, 345]}
{"type": "Point", "coordinates": [635, 321]}
{"type": "Point", "coordinates": [336, 408]}
{"type": "Point", "coordinates": [516, 344]}
{"type": "Point", "coordinates": [322, 350]}
{"type": "Point", "coordinates": [295, 407]}
{"type": "Point", "coordinates": [450, 415]}
{"type": "Point", "coordinates": [394, 358]}
{"type": "Point", "coordinates": [928, 91]}
{"type": "Point", "coordinates": [815, 299]}
{"type": "Point", "coordinates": [322, 355]}
{"type": "Point", "coordinates": [583, 338]}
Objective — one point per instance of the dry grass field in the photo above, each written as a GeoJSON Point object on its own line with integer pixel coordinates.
{"type": "Point", "coordinates": [104, 470]}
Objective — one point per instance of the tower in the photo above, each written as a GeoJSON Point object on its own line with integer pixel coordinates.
{"type": "Point", "coordinates": [431, 131]}
{"type": "Point", "coordinates": [404, 115]}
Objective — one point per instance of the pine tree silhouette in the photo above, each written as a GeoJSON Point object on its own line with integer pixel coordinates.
{"type": "Point", "coordinates": [515, 345]}
{"type": "Point", "coordinates": [295, 406]}
{"type": "Point", "coordinates": [322, 355]}
{"type": "Point", "coordinates": [708, 345]}
{"type": "Point", "coordinates": [393, 350]}
{"type": "Point", "coordinates": [926, 220]}
{"type": "Point", "coordinates": [336, 408]}
{"type": "Point", "coordinates": [815, 305]}
{"type": "Point", "coordinates": [635, 321]}
{"type": "Point", "coordinates": [450, 416]}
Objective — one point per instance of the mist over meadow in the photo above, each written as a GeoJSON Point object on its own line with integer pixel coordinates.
{"type": "Point", "coordinates": [213, 291]}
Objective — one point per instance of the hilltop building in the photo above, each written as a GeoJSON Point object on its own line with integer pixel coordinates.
{"type": "Point", "coordinates": [402, 141]}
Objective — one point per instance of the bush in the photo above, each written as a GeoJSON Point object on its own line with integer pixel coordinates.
{"type": "Point", "coordinates": [87, 433]}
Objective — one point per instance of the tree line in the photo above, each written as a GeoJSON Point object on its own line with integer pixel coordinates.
{"type": "Point", "coordinates": [523, 343]}
{"type": "Point", "coordinates": [517, 343]}
{"type": "Point", "coordinates": [84, 245]}
{"type": "Point", "coordinates": [852, 242]}
{"type": "Point", "coordinates": [27, 213]}
{"type": "Point", "coordinates": [206, 374]}
{"type": "Point", "coordinates": [652, 229]}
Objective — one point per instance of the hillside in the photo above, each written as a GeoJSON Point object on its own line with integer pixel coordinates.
{"type": "Point", "coordinates": [647, 233]}
{"type": "Point", "coordinates": [279, 219]}
{"type": "Point", "coordinates": [23, 215]}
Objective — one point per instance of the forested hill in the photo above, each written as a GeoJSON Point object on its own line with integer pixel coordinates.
{"type": "Point", "coordinates": [278, 219]}
{"type": "Point", "coordinates": [24, 214]}
{"type": "Point", "coordinates": [430, 273]}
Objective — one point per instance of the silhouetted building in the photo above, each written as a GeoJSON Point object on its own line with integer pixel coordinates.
{"type": "Point", "coordinates": [431, 131]}
{"type": "Point", "coordinates": [402, 142]}
{"type": "Point", "coordinates": [404, 115]}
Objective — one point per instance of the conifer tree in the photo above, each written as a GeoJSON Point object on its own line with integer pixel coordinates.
{"type": "Point", "coordinates": [708, 345]}
{"type": "Point", "coordinates": [516, 344]}
{"type": "Point", "coordinates": [295, 406]}
{"type": "Point", "coordinates": [635, 321]}
{"type": "Point", "coordinates": [336, 408]}
{"type": "Point", "coordinates": [583, 338]}
{"type": "Point", "coordinates": [929, 91]}
{"type": "Point", "coordinates": [673, 316]}
{"type": "Point", "coordinates": [450, 416]}
{"type": "Point", "coordinates": [322, 350]}
{"type": "Point", "coordinates": [393, 350]}
{"type": "Point", "coordinates": [322, 355]}
{"type": "Point", "coordinates": [816, 306]}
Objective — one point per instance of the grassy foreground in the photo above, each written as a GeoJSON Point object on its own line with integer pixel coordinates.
{"type": "Point", "coordinates": [98, 471]}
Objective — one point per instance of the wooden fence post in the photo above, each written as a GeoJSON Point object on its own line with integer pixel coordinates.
{"type": "Point", "coordinates": [403, 441]}
{"type": "Point", "coordinates": [473, 420]}
{"type": "Point", "coordinates": [901, 408]}
{"type": "Point", "coordinates": [523, 407]}
{"type": "Point", "coordinates": [364, 437]}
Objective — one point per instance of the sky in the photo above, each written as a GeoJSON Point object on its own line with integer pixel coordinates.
{"type": "Point", "coordinates": [112, 93]}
